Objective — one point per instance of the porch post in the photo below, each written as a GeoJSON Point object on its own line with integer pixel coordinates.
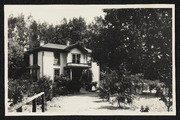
{"type": "Point", "coordinates": [71, 74]}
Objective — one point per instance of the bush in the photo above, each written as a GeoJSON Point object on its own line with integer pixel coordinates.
{"type": "Point", "coordinates": [24, 86]}
{"type": "Point", "coordinates": [61, 85]}
{"type": "Point", "coordinates": [103, 93]}
{"type": "Point", "coordinates": [86, 79]}
{"type": "Point", "coordinates": [44, 84]}
{"type": "Point", "coordinates": [144, 109]}
{"type": "Point", "coordinates": [121, 84]}
{"type": "Point", "coordinates": [18, 88]}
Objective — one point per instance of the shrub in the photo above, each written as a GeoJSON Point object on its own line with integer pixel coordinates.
{"type": "Point", "coordinates": [144, 109]}
{"type": "Point", "coordinates": [103, 93]}
{"type": "Point", "coordinates": [74, 86]}
{"type": "Point", "coordinates": [121, 84]}
{"type": "Point", "coordinates": [86, 79]}
{"type": "Point", "coordinates": [44, 84]}
{"type": "Point", "coordinates": [18, 88]}
{"type": "Point", "coordinates": [61, 85]}
{"type": "Point", "coordinates": [24, 86]}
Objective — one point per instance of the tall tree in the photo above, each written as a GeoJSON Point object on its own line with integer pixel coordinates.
{"type": "Point", "coordinates": [136, 36]}
{"type": "Point", "coordinates": [17, 39]}
{"type": "Point", "coordinates": [142, 38]}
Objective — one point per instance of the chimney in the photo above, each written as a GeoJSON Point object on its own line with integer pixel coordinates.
{"type": "Point", "coordinates": [68, 43]}
{"type": "Point", "coordinates": [41, 42]}
{"type": "Point", "coordinates": [26, 48]}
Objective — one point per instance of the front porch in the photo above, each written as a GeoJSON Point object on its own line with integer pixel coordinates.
{"type": "Point", "coordinates": [74, 72]}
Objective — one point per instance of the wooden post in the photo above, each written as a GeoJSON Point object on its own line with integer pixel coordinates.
{"type": "Point", "coordinates": [19, 109]}
{"type": "Point", "coordinates": [71, 74]}
{"type": "Point", "coordinates": [43, 103]}
{"type": "Point", "coordinates": [34, 105]}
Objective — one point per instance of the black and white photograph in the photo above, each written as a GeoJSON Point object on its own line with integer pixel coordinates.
{"type": "Point", "coordinates": [89, 60]}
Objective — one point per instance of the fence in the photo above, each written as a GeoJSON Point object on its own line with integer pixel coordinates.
{"type": "Point", "coordinates": [18, 106]}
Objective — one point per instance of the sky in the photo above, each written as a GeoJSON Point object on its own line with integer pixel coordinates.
{"type": "Point", "coordinates": [53, 14]}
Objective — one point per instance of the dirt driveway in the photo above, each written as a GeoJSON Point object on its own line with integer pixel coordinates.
{"type": "Point", "coordinates": [90, 103]}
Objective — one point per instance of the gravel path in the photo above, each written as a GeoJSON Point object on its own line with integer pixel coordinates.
{"type": "Point", "coordinates": [89, 103]}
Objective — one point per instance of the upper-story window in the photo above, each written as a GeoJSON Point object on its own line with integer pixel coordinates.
{"type": "Point", "coordinates": [76, 58]}
{"type": "Point", "coordinates": [35, 58]}
{"type": "Point", "coordinates": [56, 58]}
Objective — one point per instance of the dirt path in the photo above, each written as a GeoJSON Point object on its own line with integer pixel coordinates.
{"type": "Point", "coordinates": [90, 103]}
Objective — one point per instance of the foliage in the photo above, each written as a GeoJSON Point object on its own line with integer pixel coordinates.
{"type": "Point", "coordinates": [137, 36]}
{"type": "Point", "coordinates": [18, 88]}
{"type": "Point", "coordinates": [119, 84]}
{"type": "Point", "coordinates": [64, 85]}
{"type": "Point", "coordinates": [61, 86]}
{"type": "Point", "coordinates": [144, 109]}
{"type": "Point", "coordinates": [140, 37]}
{"type": "Point", "coordinates": [16, 64]}
{"type": "Point", "coordinates": [86, 79]}
{"type": "Point", "coordinates": [17, 39]}
{"type": "Point", "coordinates": [45, 85]}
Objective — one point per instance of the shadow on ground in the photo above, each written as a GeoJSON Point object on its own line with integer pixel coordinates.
{"type": "Point", "coordinates": [89, 94]}
{"type": "Point", "coordinates": [114, 108]}
{"type": "Point", "coordinates": [99, 101]}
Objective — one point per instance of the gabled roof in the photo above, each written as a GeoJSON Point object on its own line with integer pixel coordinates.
{"type": "Point", "coordinates": [77, 45]}
{"type": "Point", "coordinates": [65, 48]}
{"type": "Point", "coordinates": [54, 46]}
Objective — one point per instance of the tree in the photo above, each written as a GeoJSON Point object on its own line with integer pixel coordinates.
{"type": "Point", "coordinates": [17, 29]}
{"type": "Point", "coordinates": [33, 35]}
{"type": "Point", "coordinates": [17, 39]}
{"type": "Point", "coordinates": [142, 38]}
{"type": "Point", "coordinates": [137, 36]}
{"type": "Point", "coordinates": [77, 27]}
{"type": "Point", "coordinates": [121, 84]}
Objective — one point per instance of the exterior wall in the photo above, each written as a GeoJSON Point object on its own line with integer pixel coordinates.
{"type": "Point", "coordinates": [31, 61]}
{"type": "Point", "coordinates": [40, 55]}
{"type": "Point", "coordinates": [48, 63]}
{"type": "Point", "coordinates": [77, 51]}
{"type": "Point", "coordinates": [48, 60]}
{"type": "Point", "coordinates": [96, 73]}
{"type": "Point", "coordinates": [63, 61]}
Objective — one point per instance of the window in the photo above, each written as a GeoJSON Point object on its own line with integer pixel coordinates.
{"type": "Point", "coordinates": [56, 58]}
{"type": "Point", "coordinates": [76, 58]}
{"type": "Point", "coordinates": [56, 73]}
{"type": "Point", "coordinates": [35, 58]}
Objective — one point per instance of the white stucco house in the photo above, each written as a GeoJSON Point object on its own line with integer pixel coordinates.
{"type": "Point", "coordinates": [55, 59]}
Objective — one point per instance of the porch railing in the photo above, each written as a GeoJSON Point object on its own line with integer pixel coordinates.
{"type": "Point", "coordinates": [18, 106]}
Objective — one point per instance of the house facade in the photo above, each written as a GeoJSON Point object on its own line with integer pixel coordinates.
{"type": "Point", "coordinates": [54, 59]}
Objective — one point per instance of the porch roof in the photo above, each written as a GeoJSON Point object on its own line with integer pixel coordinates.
{"type": "Point", "coordinates": [34, 67]}
{"type": "Point", "coordinates": [74, 65]}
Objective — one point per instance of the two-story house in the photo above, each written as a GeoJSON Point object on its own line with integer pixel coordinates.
{"type": "Point", "coordinates": [54, 59]}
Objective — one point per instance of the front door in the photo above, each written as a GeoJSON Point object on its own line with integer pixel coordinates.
{"type": "Point", "coordinates": [76, 76]}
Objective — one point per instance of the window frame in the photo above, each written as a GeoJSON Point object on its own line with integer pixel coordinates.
{"type": "Point", "coordinates": [55, 72]}
{"type": "Point", "coordinates": [56, 58]}
{"type": "Point", "coordinates": [75, 58]}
